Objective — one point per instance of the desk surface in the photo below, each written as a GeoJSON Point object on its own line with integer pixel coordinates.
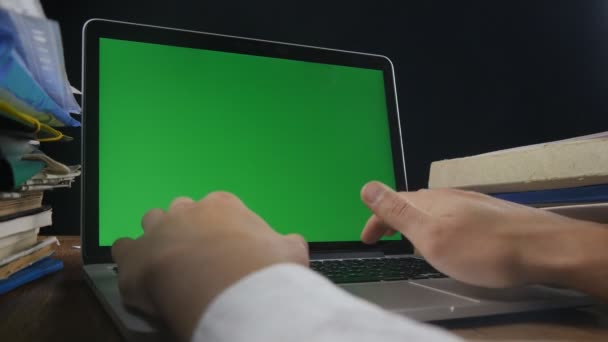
{"type": "Point", "coordinates": [61, 307]}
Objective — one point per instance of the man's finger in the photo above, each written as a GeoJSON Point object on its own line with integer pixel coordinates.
{"type": "Point", "coordinates": [374, 230]}
{"type": "Point", "coordinates": [151, 218]}
{"type": "Point", "coordinates": [394, 209]}
{"type": "Point", "coordinates": [179, 202]}
{"type": "Point", "coordinates": [121, 248]}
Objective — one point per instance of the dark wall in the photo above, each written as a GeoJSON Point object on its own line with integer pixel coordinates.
{"type": "Point", "coordinates": [472, 76]}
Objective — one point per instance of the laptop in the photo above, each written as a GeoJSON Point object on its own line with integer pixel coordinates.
{"type": "Point", "coordinates": [295, 131]}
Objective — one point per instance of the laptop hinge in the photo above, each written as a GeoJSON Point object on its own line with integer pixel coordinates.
{"type": "Point", "coordinates": [346, 255]}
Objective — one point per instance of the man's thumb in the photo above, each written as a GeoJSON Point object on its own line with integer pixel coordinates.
{"type": "Point", "coordinates": [390, 207]}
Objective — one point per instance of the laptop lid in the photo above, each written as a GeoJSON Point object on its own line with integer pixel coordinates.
{"type": "Point", "coordinates": [294, 131]}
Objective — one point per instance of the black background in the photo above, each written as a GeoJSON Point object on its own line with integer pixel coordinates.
{"type": "Point", "coordinates": [472, 76]}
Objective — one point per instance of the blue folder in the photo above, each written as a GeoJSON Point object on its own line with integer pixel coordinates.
{"type": "Point", "coordinates": [581, 194]}
{"type": "Point", "coordinates": [30, 273]}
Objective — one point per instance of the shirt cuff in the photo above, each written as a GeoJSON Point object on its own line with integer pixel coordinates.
{"type": "Point", "coordinates": [289, 302]}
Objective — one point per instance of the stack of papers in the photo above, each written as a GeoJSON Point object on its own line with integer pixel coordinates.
{"type": "Point", "coordinates": [47, 181]}
{"type": "Point", "coordinates": [36, 100]}
{"type": "Point", "coordinates": [33, 81]}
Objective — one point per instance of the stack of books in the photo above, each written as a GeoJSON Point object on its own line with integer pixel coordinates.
{"type": "Point", "coordinates": [35, 99]}
{"type": "Point", "coordinates": [569, 177]}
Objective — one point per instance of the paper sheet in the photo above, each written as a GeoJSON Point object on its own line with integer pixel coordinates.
{"type": "Point", "coordinates": [25, 7]}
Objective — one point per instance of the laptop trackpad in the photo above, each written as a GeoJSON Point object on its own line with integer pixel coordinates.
{"type": "Point", "coordinates": [397, 295]}
{"type": "Point", "coordinates": [511, 295]}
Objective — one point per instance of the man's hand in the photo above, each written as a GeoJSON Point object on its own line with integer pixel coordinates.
{"type": "Point", "coordinates": [191, 253]}
{"type": "Point", "coordinates": [488, 242]}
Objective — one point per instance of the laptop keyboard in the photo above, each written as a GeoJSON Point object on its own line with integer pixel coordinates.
{"type": "Point", "coordinates": [375, 269]}
{"type": "Point", "coordinates": [371, 270]}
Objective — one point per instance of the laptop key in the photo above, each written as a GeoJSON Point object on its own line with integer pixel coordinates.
{"type": "Point", "coordinates": [375, 269]}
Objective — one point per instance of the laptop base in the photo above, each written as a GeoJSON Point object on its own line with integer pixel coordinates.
{"type": "Point", "coordinates": [445, 298]}
{"type": "Point", "coordinates": [422, 300]}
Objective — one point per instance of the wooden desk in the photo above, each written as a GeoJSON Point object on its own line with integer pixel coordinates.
{"type": "Point", "coordinates": [61, 307]}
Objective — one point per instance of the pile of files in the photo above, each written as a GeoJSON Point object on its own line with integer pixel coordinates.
{"type": "Point", "coordinates": [568, 177]}
{"type": "Point", "coordinates": [35, 102]}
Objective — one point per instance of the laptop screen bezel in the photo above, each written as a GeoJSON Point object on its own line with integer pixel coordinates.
{"type": "Point", "coordinates": [95, 29]}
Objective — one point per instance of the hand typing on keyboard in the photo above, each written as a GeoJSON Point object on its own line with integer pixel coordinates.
{"type": "Point", "coordinates": [185, 257]}
{"type": "Point", "coordinates": [192, 252]}
{"type": "Point", "coordinates": [488, 242]}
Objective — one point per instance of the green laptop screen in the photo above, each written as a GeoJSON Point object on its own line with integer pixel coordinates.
{"type": "Point", "coordinates": [294, 140]}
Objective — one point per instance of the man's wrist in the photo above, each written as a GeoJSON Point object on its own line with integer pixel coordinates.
{"type": "Point", "coordinates": [589, 272]}
{"type": "Point", "coordinates": [179, 295]}
{"type": "Point", "coordinates": [182, 294]}
{"type": "Point", "coordinates": [573, 255]}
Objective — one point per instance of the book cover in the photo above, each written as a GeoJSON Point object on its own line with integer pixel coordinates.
{"type": "Point", "coordinates": [23, 213]}
{"type": "Point", "coordinates": [31, 273]}
{"type": "Point", "coordinates": [583, 194]}
{"type": "Point", "coordinates": [562, 164]}
{"type": "Point", "coordinates": [12, 225]}
{"type": "Point", "coordinates": [14, 172]}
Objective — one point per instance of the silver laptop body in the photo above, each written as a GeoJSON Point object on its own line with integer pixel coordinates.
{"type": "Point", "coordinates": [424, 299]}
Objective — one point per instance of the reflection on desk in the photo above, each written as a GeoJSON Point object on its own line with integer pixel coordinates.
{"type": "Point", "coordinates": [61, 307]}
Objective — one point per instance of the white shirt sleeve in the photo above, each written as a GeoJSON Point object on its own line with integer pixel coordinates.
{"type": "Point", "coordinates": [288, 303]}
